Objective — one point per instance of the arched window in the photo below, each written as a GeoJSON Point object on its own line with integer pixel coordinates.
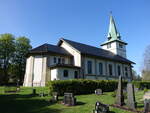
{"type": "Point", "coordinates": [54, 60]}
{"type": "Point", "coordinates": [110, 69]}
{"type": "Point", "coordinates": [89, 67]}
{"type": "Point", "coordinates": [119, 70]}
{"type": "Point", "coordinates": [126, 71]}
{"type": "Point", "coordinates": [101, 68]}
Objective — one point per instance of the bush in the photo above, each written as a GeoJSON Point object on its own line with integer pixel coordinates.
{"type": "Point", "coordinates": [81, 86]}
{"type": "Point", "coordinates": [142, 84]}
{"type": "Point", "coordinates": [145, 90]}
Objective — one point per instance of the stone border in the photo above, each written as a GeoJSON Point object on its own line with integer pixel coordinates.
{"type": "Point", "coordinates": [126, 108]}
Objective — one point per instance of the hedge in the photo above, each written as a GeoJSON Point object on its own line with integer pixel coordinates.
{"type": "Point", "coordinates": [81, 86]}
{"type": "Point", "coordinates": [142, 84]}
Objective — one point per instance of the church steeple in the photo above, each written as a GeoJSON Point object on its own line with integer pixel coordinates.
{"type": "Point", "coordinates": [113, 34]}
{"type": "Point", "coordinates": [114, 42]}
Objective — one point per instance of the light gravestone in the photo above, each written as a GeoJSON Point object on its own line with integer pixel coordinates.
{"type": "Point", "coordinates": [119, 96]}
{"type": "Point", "coordinates": [54, 96]}
{"type": "Point", "coordinates": [69, 99]}
{"type": "Point", "coordinates": [147, 106]}
{"type": "Point", "coordinates": [98, 92]}
{"type": "Point", "coordinates": [131, 103]}
{"type": "Point", "coordinates": [101, 108]}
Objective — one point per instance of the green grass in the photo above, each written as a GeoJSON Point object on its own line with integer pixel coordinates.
{"type": "Point", "coordinates": [24, 102]}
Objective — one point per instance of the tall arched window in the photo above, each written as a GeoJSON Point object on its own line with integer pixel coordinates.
{"type": "Point", "coordinates": [110, 69]}
{"type": "Point", "coordinates": [89, 67]}
{"type": "Point", "coordinates": [101, 68]}
{"type": "Point", "coordinates": [119, 70]}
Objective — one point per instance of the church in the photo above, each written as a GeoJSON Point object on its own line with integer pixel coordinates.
{"type": "Point", "coordinates": [74, 60]}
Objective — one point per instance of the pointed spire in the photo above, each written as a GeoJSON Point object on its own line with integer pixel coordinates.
{"type": "Point", "coordinates": [112, 33]}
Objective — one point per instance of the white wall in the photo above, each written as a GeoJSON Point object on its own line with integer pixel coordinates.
{"type": "Point", "coordinates": [54, 74]}
{"type": "Point", "coordinates": [116, 49]}
{"type": "Point", "coordinates": [75, 53]}
{"type": "Point", "coordinates": [29, 71]}
{"type": "Point", "coordinates": [95, 68]}
{"type": "Point", "coordinates": [58, 74]}
{"type": "Point", "coordinates": [37, 70]}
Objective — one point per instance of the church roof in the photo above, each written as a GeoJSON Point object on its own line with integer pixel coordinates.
{"type": "Point", "coordinates": [48, 48]}
{"type": "Point", "coordinates": [94, 51]}
{"type": "Point", "coordinates": [113, 34]}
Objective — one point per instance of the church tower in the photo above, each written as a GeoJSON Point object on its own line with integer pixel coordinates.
{"type": "Point", "coordinates": [114, 42]}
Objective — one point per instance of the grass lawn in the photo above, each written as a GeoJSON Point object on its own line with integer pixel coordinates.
{"type": "Point", "coordinates": [23, 102]}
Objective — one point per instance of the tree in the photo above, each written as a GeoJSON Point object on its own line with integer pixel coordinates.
{"type": "Point", "coordinates": [136, 76]}
{"type": "Point", "coordinates": [22, 47]}
{"type": "Point", "coordinates": [146, 64]}
{"type": "Point", "coordinates": [7, 48]}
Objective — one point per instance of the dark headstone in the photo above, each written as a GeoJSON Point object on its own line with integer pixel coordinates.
{"type": "Point", "coordinates": [33, 91]}
{"type": "Point", "coordinates": [119, 96]}
{"type": "Point", "coordinates": [101, 108]}
{"type": "Point", "coordinates": [146, 105]}
{"type": "Point", "coordinates": [69, 99]}
{"type": "Point", "coordinates": [131, 103]}
{"type": "Point", "coordinates": [98, 92]}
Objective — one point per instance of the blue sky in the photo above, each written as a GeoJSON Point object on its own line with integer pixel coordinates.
{"type": "Point", "coordinates": [85, 21]}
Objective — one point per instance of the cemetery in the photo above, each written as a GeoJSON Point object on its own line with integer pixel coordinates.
{"type": "Point", "coordinates": [127, 99]}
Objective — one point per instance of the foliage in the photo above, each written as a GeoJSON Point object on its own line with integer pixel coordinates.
{"type": "Point", "coordinates": [146, 64]}
{"type": "Point", "coordinates": [136, 77]}
{"type": "Point", "coordinates": [145, 90]}
{"type": "Point", "coordinates": [12, 57]}
{"type": "Point", "coordinates": [7, 48]}
{"type": "Point", "coordinates": [114, 93]}
{"type": "Point", "coordinates": [142, 84]}
{"type": "Point", "coordinates": [82, 86]}
{"type": "Point", "coordinates": [145, 75]}
{"type": "Point", "coordinates": [22, 47]}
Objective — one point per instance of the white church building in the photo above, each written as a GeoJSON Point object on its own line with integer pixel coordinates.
{"type": "Point", "coordinates": [73, 60]}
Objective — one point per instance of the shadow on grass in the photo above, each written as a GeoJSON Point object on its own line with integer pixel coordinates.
{"type": "Point", "coordinates": [80, 103]}
{"type": "Point", "coordinates": [111, 112]}
{"type": "Point", "coordinates": [16, 103]}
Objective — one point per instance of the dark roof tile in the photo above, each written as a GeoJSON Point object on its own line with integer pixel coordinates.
{"type": "Point", "coordinates": [46, 48]}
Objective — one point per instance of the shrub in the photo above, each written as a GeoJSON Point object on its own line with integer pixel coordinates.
{"type": "Point", "coordinates": [142, 84]}
{"type": "Point", "coordinates": [145, 90]}
{"type": "Point", "coordinates": [82, 86]}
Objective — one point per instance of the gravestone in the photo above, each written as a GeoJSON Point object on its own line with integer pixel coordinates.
{"type": "Point", "coordinates": [69, 99]}
{"type": "Point", "coordinates": [54, 96]}
{"type": "Point", "coordinates": [119, 96]}
{"type": "Point", "coordinates": [146, 105]}
{"type": "Point", "coordinates": [33, 91]}
{"type": "Point", "coordinates": [98, 92]}
{"type": "Point", "coordinates": [41, 94]}
{"type": "Point", "coordinates": [18, 89]}
{"type": "Point", "coordinates": [101, 108]}
{"type": "Point", "coordinates": [131, 103]}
